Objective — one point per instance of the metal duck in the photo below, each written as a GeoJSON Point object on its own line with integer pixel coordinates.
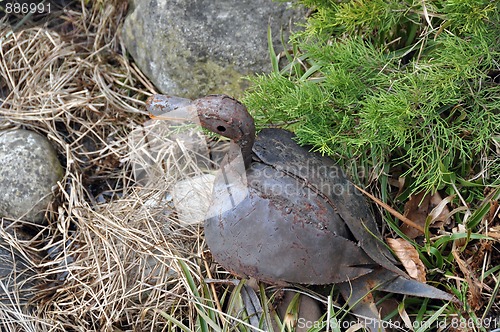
{"type": "Point", "coordinates": [300, 219]}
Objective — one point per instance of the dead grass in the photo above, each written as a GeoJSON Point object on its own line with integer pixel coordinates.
{"type": "Point", "coordinates": [109, 258]}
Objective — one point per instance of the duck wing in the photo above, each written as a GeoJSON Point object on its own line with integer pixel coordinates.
{"type": "Point", "coordinates": [277, 148]}
{"type": "Point", "coordinates": [274, 235]}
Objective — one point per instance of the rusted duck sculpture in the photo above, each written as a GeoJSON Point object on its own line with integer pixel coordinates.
{"type": "Point", "coordinates": [300, 220]}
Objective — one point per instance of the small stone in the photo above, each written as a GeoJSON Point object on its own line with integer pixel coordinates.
{"type": "Point", "coordinates": [309, 312]}
{"type": "Point", "coordinates": [18, 277]}
{"type": "Point", "coordinates": [29, 168]}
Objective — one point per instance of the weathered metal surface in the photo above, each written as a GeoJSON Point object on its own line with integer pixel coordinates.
{"type": "Point", "coordinates": [284, 215]}
{"type": "Point", "coordinates": [229, 118]}
{"type": "Point", "coordinates": [276, 147]}
{"type": "Point", "coordinates": [288, 227]}
{"type": "Point", "coordinates": [284, 232]}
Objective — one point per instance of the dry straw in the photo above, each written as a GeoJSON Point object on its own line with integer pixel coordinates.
{"type": "Point", "coordinates": [114, 256]}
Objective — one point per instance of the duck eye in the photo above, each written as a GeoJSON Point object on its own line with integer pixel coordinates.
{"type": "Point", "coordinates": [221, 129]}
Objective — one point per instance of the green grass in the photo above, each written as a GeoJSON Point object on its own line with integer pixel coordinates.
{"type": "Point", "coordinates": [359, 85]}
{"type": "Point", "coordinates": [404, 90]}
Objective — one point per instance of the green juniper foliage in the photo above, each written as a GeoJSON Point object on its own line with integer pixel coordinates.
{"type": "Point", "coordinates": [409, 84]}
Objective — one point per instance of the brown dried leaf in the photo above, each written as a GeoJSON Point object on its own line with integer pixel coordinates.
{"type": "Point", "coordinates": [408, 256]}
{"type": "Point", "coordinates": [475, 286]}
{"type": "Point", "coordinates": [419, 207]}
{"type": "Point", "coordinates": [405, 317]}
{"type": "Point", "coordinates": [440, 211]}
{"type": "Point", "coordinates": [416, 209]}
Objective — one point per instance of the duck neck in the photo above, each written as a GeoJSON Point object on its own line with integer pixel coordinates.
{"type": "Point", "coordinates": [246, 143]}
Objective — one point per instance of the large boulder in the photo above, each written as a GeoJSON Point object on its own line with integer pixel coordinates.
{"type": "Point", "coordinates": [193, 48]}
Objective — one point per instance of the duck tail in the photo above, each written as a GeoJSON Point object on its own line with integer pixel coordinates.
{"type": "Point", "coordinates": [359, 298]}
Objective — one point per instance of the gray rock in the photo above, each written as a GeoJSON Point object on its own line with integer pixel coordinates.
{"type": "Point", "coordinates": [197, 47]}
{"type": "Point", "coordinates": [29, 168]}
{"type": "Point", "coordinates": [308, 312]}
{"type": "Point", "coordinates": [18, 277]}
